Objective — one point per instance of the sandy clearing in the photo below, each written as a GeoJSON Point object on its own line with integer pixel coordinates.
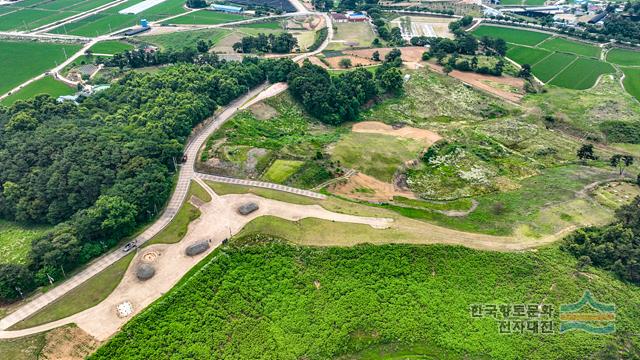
{"type": "Point", "coordinates": [408, 132]}
{"type": "Point", "coordinates": [68, 343]}
{"type": "Point", "coordinates": [364, 187]}
{"type": "Point", "coordinates": [495, 85]}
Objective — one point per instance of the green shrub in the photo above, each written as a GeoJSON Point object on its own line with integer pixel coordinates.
{"type": "Point", "coordinates": [621, 131]}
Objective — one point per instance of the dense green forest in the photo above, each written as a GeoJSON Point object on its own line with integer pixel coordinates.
{"type": "Point", "coordinates": [282, 43]}
{"type": "Point", "coordinates": [257, 299]}
{"type": "Point", "coordinates": [102, 168]}
{"type": "Point", "coordinates": [615, 247]}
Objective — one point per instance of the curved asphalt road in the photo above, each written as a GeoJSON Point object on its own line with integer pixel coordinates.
{"type": "Point", "coordinates": [186, 174]}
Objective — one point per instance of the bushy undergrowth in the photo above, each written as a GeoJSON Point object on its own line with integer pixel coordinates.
{"type": "Point", "coordinates": [276, 301]}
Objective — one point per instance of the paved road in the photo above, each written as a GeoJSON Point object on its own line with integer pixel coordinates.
{"type": "Point", "coordinates": [185, 176]}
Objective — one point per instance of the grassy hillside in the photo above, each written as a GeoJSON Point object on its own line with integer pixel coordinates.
{"type": "Point", "coordinates": [280, 301]}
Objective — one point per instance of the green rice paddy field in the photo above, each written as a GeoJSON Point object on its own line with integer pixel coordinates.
{"type": "Point", "coordinates": [110, 47]}
{"type": "Point", "coordinates": [205, 17]}
{"type": "Point", "coordinates": [27, 15]}
{"type": "Point", "coordinates": [110, 20]}
{"type": "Point", "coordinates": [632, 81]}
{"type": "Point", "coordinates": [558, 61]}
{"type": "Point", "coordinates": [46, 85]}
{"type": "Point", "coordinates": [22, 60]}
{"type": "Point", "coordinates": [624, 57]}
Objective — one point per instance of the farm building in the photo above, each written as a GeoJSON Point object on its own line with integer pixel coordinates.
{"type": "Point", "coordinates": [340, 18]}
{"type": "Point", "coordinates": [357, 17]}
{"type": "Point", "coordinates": [226, 8]}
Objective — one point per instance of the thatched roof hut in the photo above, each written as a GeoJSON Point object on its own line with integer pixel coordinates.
{"type": "Point", "coordinates": [145, 272]}
{"type": "Point", "coordinates": [197, 248]}
{"type": "Point", "coordinates": [248, 208]}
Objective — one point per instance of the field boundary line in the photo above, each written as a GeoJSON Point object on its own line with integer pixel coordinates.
{"type": "Point", "coordinates": [563, 69]}
{"type": "Point", "coordinates": [261, 184]}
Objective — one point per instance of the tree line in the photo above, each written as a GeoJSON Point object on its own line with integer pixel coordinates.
{"type": "Point", "coordinates": [334, 100]}
{"type": "Point", "coordinates": [101, 169]}
{"type": "Point", "coordinates": [282, 43]}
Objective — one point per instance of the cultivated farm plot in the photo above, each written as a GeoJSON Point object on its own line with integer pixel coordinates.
{"type": "Point", "coordinates": [624, 57]}
{"type": "Point", "coordinates": [510, 35]}
{"type": "Point", "coordinates": [582, 74]}
{"type": "Point", "coordinates": [424, 25]}
{"type": "Point", "coordinates": [110, 47]}
{"type": "Point", "coordinates": [568, 46]}
{"type": "Point", "coordinates": [111, 20]}
{"type": "Point", "coordinates": [180, 39]}
{"type": "Point", "coordinates": [27, 16]}
{"type": "Point", "coordinates": [20, 61]}
{"type": "Point", "coordinates": [547, 68]}
{"type": "Point", "coordinates": [632, 81]}
{"type": "Point", "coordinates": [46, 85]}
{"type": "Point", "coordinates": [526, 55]}
{"type": "Point", "coordinates": [205, 17]}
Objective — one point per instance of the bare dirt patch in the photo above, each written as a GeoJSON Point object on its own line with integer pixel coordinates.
{"type": "Point", "coordinates": [506, 87]}
{"type": "Point", "coordinates": [315, 61]}
{"type": "Point", "coordinates": [262, 111]}
{"type": "Point", "coordinates": [408, 132]}
{"type": "Point", "coordinates": [364, 187]}
{"type": "Point", "coordinates": [334, 62]}
{"type": "Point", "coordinates": [68, 343]}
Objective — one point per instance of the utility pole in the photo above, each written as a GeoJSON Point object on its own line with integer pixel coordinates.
{"type": "Point", "coordinates": [20, 292]}
{"type": "Point", "coordinates": [175, 165]}
{"type": "Point", "coordinates": [63, 273]}
{"type": "Point", "coordinates": [50, 279]}
{"type": "Point", "coordinates": [65, 53]}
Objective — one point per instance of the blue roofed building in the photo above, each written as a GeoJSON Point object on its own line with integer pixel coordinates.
{"type": "Point", "coordinates": [226, 8]}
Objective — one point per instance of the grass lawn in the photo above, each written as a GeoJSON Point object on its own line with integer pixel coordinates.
{"type": "Point", "coordinates": [624, 57]}
{"type": "Point", "coordinates": [526, 55]}
{"type": "Point", "coordinates": [632, 81]}
{"type": "Point", "coordinates": [20, 61]}
{"type": "Point", "coordinates": [111, 47]}
{"type": "Point", "coordinates": [46, 85]}
{"type": "Point", "coordinates": [177, 228]}
{"type": "Point", "coordinates": [205, 17]}
{"type": "Point", "coordinates": [23, 348]}
{"type": "Point", "coordinates": [376, 155]}
{"type": "Point", "coordinates": [582, 74]}
{"type": "Point", "coordinates": [338, 302]}
{"type": "Point", "coordinates": [281, 170]}
{"type": "Point", "coordinates": [515, 36]}
{"type": "Point", "coordinates": [358, 34]}
{"type": "Point", "coordinates": [274, 25]}
{"type": "Point", "coordinates": [84, 296]}
{"type": "Point", "coordinates": [181, 39]}
{"type": "Point", "coordinates": [574, 47]}
{"type": "Point", "coordinates": [15, 241]}
{"type": "Point", "coordinates": [546, 69]}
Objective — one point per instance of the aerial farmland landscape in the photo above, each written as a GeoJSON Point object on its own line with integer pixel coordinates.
{"type": "Point", "coordinates": [319, 179]}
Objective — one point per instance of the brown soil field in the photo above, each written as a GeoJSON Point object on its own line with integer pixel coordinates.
{"type": "Point", "coordinates": [376, 127]}
{"type": "Point", "coordinates": [355, 61]}
{"type": "Point", "coordinates": [409, 53]}
{"type": "Point", "coordinates": [367, 188]}
{"type": "Point", "coordinates": [496, 85]}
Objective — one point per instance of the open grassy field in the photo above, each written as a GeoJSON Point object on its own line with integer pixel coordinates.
{"type": "Point", "coordinates": [624, 57]}
{"type": "Point", "coordinates": [281, 170]}
{"type": "Point", "coordinates": [547, 68]}
{"type": "Point", "coordinates": [568, 46]}
{"type": "Point", "coordinates": [332, 302]}
{"type": "Point", "coordinates": [273, 25]}
{"type": "Point", "coordinates": [205, 17]}
{"type": "Point", "coordinates": [15, 241]}
{"type": "Point", "coordinates": [349, 35]}
{"type": "Point", "coordinates": [376, 155]}
{"type": "Point", "coordinates": [84, 296]}
{"type": "Point", "coordinates": [632, 81]}
{"type": "Point", "coordinates": [181, 39]}
{"type": "Point", "coordinates": [46, 85]}
{"type": "Point", "coordinates": [514, 36]}
{"type": "Point", "coordinates": [582, 74]}
{"type": "Point", "coordinates": [19, 61]}
{"type": "Point", "coordinates": [111, 47]}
